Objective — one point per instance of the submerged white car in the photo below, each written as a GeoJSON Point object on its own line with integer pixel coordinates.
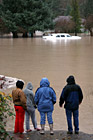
{"type": "Point", "coordinates": [60, 36]}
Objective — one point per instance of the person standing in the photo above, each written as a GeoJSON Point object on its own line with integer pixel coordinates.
{"type": "Point", "coordinates": [72, 96]}
{"type": "Point", "coordinates": [19, 100]}
{"type": "Point", "coordinates": [30, 112]}
{"type": "Point", "coordinates": [45, 98]}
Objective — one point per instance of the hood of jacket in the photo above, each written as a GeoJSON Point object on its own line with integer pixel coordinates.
{"type": "Point", "coordinates": [44, 82]}
{"type": "Point", "coordinates": [29, 95]}
{"type": "Point", "coordinates": [70, 80]}
{"type": "Point", "coordinates": [29, 86]}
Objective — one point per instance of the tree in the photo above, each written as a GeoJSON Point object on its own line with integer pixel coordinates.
{"type": "Point", "coordinates": [58, 7]}
{"type": "Point", "coordinates": [3, 29]}
{"type": "Point", "coordinates": [68, 10]}
{"type": "Point", "coordinates": [76, 16]}
{"type": "Point", "coordinates": [10, 10]}
{"type": "Point", "coordinates": [89, 24]}
{"type": "Point", "coordinates": [88, 15]}
{"type": "Point", "coordinates": [55, 7]}
{"type": "Point", "coordinates": [63, 24]}
{"type": "Point", "coordinates": [88, 8]}
{"type": "Point", "coordinates": [25, 16]}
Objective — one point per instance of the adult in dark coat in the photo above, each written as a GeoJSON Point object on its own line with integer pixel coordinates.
{"type": "Point", "coordinates": [72, 96]}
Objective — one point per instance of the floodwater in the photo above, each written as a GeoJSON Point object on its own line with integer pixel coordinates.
{"type": "Point", "coordinates": [31, 59]}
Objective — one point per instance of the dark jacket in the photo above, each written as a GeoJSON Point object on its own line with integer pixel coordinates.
{"type": "Point", "coordinates": [45, 96]}
{"type": "Point", "coordinates": [71, 95]}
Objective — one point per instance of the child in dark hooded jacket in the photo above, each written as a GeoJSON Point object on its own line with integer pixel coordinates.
{"type": "Point", "coordinates": [30, 112]}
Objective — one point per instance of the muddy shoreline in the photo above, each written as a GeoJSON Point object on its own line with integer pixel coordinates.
{"type": "Point", "coordinates": [58, 135]}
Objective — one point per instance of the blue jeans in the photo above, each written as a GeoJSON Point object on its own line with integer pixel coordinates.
{"type": "Point", "coordinates": [43, 117]}
{"type": "Point", "coordinates": [75, 114]}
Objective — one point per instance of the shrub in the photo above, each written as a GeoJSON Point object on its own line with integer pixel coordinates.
{"type": "Point", "coordinates": [5, 111]}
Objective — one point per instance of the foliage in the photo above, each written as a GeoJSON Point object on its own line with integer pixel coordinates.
{"type": "Point", "coordinates": [54, 6]}
{"type": "Point", "coordinates": [89, 24]}
{"type": "Point", "coordinates": [3, 29]}
{"type": "Point", "coordinates": [68, 10]}
{"type": "Point", "coordinates": [64, 24]}
{"type": "Point", "coordinates": [88, 8]}
{"type": "Point", "coordinates": [87, 12]}
{"type": "Point", "coordinates": [58, 7]}
{"type": "Point", "coordinates": [63, 7]}
{"type": "Point", "coordinates": [5, 111]}
{"type": "Point", "coordinates": [26, 16]}
{"type": "Point", "coordinates": [76, 16]}
{"type": "Point", "coordinates": [30, 15]}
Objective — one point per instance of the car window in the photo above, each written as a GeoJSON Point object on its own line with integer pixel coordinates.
{"type": "Point", "coordinates": [58, 36]}
{"type": "Point", "coordinates": [68, 36]}
{"type": "Point", "coordinates": [62, 35]}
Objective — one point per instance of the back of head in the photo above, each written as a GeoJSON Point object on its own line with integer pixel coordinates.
{"type": "Point", "coordinates": [70, 80]}
{"type": "Point", "coordinates": [29, 86]}
{"type": "Point", "coordinates": [44, 82]}
{"type": "Point", "coordinates": [19, 84]}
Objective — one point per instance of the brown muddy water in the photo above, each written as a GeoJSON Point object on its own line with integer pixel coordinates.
{"type": "Point", "coordinates": [31, 59]}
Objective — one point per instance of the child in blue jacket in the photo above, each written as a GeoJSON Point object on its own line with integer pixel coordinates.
{"type": "Point", "coordinates": [45, 98]}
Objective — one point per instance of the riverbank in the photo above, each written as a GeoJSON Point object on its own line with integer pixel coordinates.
{"type": "Point", "coordinates": [58, 135]}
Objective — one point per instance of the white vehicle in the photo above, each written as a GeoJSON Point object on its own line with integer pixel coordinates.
{"type": "Point", "coordinates": [60, 36]}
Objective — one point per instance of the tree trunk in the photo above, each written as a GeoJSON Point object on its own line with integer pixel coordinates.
{"type": "Point", "coordinates": [75, 32]}
{"type": "Point", "coordinates": [91, 32]}
{"type": "Point", "coordinates": [31, 34]}
{"type": "Point", "coordinates": [15, 35]}
{"type": "Point", "coordinates": [25, 34]}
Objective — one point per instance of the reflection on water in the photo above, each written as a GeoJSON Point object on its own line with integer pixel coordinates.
{"type": "Point", "coordinates": [32, 59]}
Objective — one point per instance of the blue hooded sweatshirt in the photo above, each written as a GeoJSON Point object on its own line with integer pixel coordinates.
{"type": "Point", "coordinates": [45, 96]}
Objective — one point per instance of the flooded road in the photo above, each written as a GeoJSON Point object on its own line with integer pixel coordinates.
{"type": "Point", "coordinates": [31, 59]}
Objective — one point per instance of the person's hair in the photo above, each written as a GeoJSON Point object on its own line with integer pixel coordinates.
{"type": "Point", "coordinates": [71, 79]}
{"type": "Point", "coordinates": [19, 84]}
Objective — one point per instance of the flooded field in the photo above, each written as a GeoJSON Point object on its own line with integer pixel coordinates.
{"type": "Point", "coordinates": [31, 59]}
